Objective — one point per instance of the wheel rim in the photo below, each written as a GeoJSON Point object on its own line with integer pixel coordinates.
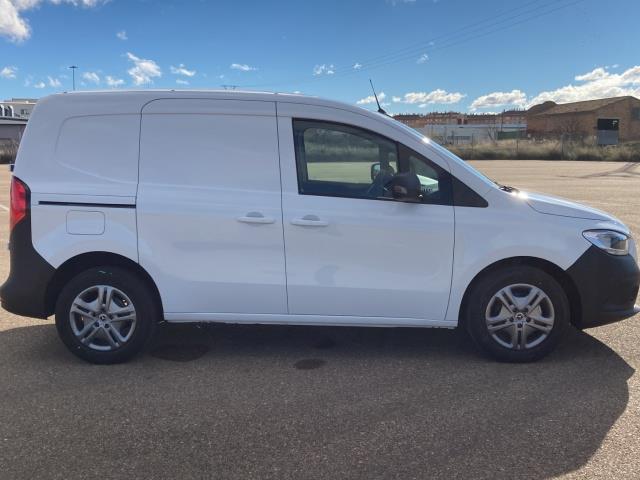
{"type": "Point", "coordinates": [103, 318]}
{"type": "Point", "coordinates": [520, 316]}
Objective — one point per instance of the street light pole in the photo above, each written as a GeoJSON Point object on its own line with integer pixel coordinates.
{"type": "Point", "coordinates": [73, 70]}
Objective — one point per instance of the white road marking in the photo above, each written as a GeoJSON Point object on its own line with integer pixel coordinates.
{"type": "Point", "coordinates": [6, 209]}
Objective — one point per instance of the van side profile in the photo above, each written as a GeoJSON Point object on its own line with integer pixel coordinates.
{"type": "Point", "coordinates": [128, 208]}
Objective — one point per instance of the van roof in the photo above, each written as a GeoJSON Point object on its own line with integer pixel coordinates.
{"type": "Point", "coordinates": [174, 91]}
{"type": "Point", "coordinates": [136, 99]}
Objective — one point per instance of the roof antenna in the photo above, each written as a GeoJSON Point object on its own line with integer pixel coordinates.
{"type": "Point", "coordinates": [380, 109]}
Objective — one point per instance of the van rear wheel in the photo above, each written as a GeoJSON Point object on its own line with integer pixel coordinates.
{"type": "Point", "coordinates": [105, 315]}
{"type": "Point", "coordinates": [517, 314]}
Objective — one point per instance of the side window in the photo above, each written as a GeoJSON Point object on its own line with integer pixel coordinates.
{"type": "Point", "coordinates": [344, 161]}
{"type": "Point", "coordinates": [435, 182]}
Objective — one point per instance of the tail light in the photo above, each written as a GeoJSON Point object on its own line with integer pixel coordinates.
{"type": "Point", "coordinates": [19, 199]}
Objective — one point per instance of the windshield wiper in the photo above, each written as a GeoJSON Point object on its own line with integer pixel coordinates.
{"type": "Point", "coordinates": [507, 188]}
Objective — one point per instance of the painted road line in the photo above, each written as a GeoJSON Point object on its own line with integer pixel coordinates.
{"type": "Point", "coordinates": [6, 209]}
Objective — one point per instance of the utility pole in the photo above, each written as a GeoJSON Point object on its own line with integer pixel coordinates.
{"type": "Point", "coordinates": [73, 70]}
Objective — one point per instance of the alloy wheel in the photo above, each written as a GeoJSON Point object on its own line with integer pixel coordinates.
{"type": "Point", "coordinates": [519, 316]}
{"type": "Point", "coordinates": [102, 318]}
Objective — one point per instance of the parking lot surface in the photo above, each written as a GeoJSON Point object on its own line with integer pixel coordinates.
{"type": "Point", "coordinates": [310, 402]}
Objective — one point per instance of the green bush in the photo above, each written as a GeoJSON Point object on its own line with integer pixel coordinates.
{"type": "Point", "coordinates": [8, 152]}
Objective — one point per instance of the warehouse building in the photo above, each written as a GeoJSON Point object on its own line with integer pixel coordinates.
{"type": "Point", "coordinates": [11, 130]}
{"type": "Point", "coordinates": [14, 115]}
{"type": "Point", "coordinates": [17, 107]}
{"type": "Point", "coordinates": [608, 121]}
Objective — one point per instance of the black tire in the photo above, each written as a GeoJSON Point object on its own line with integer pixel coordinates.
{"type": "Point", "coordinates": [134, 287]}
{"type": "Point", "coordinates": [482, 292]}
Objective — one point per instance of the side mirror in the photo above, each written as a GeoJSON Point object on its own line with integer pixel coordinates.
{"type": "Point", "coordinates": [405, 187]}
{"type": "Point", "coordinates": [375, 170]}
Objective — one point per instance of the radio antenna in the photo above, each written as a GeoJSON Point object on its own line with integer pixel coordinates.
{"type": "Point", "coordinates": [380, 109]}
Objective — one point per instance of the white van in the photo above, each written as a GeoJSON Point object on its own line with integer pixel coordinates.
{"type": "Point", "coordinates": [128, 208]}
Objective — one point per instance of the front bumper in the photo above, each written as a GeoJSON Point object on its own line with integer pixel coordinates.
{"type": "Point", "coordinates": [607, 287]}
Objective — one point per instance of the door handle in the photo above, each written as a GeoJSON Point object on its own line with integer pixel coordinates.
{"type": "Point", "coordinates": [256, 217]}
{"type": "Point", "coordinates": [309, 221]}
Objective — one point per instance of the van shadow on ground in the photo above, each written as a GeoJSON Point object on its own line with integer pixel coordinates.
{"type": "Point", "coordinates": [306, 402]}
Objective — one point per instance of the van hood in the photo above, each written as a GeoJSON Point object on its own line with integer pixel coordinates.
{"type": "Point", "coordinates": [550, 205]}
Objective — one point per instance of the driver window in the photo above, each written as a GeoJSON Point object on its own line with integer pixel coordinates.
{"type": "Point", "coordinates": [343, 161]}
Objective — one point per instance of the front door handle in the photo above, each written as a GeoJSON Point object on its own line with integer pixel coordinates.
{"type": "Point", "coordinates": [309, 221]}
{"type": "Point", "coordinates": [256, 217]}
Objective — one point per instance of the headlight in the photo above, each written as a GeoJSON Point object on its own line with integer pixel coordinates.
{"type": "Point", "coordinates": [612, 242]}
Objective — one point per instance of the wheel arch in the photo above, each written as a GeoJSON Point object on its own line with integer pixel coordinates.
{"type": "Point", "coordinates": [84, 261]}
{"type": "Point", "coordinates": [561, 276]}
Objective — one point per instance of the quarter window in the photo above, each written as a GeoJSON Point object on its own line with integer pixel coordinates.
{"type": "Point", "coordinates": [435, 182]}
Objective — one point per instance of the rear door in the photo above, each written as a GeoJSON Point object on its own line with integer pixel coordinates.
{"type": "Point", "coordinates": [351, 250]}
{"type": "Point", "coordinates": [209, 209]}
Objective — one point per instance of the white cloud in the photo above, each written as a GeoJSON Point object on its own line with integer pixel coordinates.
{"type": "Point", "coordinates": [113, 82]}
{"type": "Point", "coordinates": [54, 82]}
{"type": "Point", "coordinates": [143, 70]}
{"type": "Point", "coordinates": [182, 70]}
{"type": "Point", "coordinates": [438, 96]}
{"type": "Point", "coordinates": [180, 81]}
{"type": "Point", "coordinates": [357, 66]}
{"type": "Point", "coordinates": [16, 28]}
{"type": "Point", "coordinates": [598, 83]}
{"type": "Point", "coordinates": [498, 99]}
{"type": "Point", "coordinates": [8, 72]}
{"type": "Point", "coordinates": [371, 99]}
{"type": "Point", "coordinates": [324, 69]}
{"type": "Point", "coordinates": [243, 67]}
{"type": "Point", "coordinates": [422, 58]}
{"type": "Point", "coordinates": [595, 74]}
{"type": "Point", "coordinates": [40, 85]}
{"type": "Point", "coordinates": [92, 77]}
{"type": "Point", "coordinates": [593, 85]}
{"type": "Point", "coordinates": [400, 2]}
{"type": "Point", "coordinates": [395, 99]}
{"type": "Point", "coordinates": [122, 35]}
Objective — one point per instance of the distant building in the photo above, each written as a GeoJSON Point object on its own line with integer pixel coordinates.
{"type": "Point", "coordinates": [14, 114]}
{"type": "Point", "coordinates": [609, 120]}
{"type": "Point", "coordinates": [11, 129]}
{"type": "Point", "coordinates": [457, 128]}
{"type": "Point", "coordinates": [413, 120]}
{"type": "Point", "coordinates": [17, 107]}
{"type": "Point", "coordinates": [508, 117]}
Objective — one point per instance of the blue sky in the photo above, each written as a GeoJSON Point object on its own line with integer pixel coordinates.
{"type": "Point", "coordinates": [423, 55]}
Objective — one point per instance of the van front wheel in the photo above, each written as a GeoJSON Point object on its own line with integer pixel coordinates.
{"type": "Point", "coordinates": [517, 314]}
{"type": "Point", "coordinates": [105, 315]}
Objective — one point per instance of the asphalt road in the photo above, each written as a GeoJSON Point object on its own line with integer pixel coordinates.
{"type": "Point", "coordinates": [301, 402]}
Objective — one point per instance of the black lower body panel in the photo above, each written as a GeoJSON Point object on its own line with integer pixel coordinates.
{"type": "Point", "coordinates": [607, 285]}
{"type": "Point", "coordinates": [25, 291]}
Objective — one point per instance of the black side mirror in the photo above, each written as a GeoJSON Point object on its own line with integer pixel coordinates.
{"type": "Point", "coordinates": [375, 170]}
{"type": "Point", "coordinates": [405, 187]}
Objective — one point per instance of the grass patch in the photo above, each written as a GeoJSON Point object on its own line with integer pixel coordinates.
{"type": "Point", "coordinates": [549, 150]}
